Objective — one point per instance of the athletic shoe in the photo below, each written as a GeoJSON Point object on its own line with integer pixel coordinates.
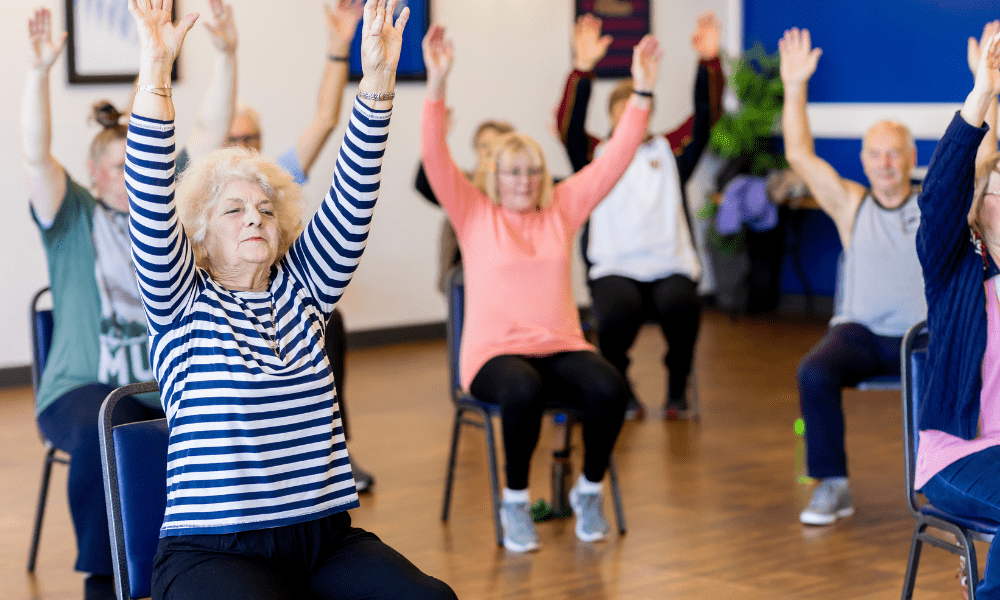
{"type": "Point", "coordinates": [831, 500]}
{"type": "Point", "coordinates": [518, 527]}
{"type": "Point", "coordinates": [589, 509]}
{"type": "Point", "coordinates": [634, 409]}
{"type": "Point", "coordinates": [363, 480]}
{"type": "Point", "coordinates": [675, 409]}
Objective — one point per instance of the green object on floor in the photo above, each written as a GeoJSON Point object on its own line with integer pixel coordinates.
{"type": "Point", "coordinates": [800, 427]}
{"type": "Point", "coordinates": [542, 511]}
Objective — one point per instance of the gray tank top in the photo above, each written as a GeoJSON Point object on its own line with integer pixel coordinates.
{"type": "Point", "coordinates": [881, 283]}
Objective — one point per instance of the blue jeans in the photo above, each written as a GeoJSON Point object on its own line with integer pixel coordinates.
{"type": "Point", "coordinates": [970, 487]}
{"type": "Point", "coordinates": [847, 354]}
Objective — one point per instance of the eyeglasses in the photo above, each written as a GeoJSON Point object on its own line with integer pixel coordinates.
{"type": "Point", "coordinates": [244, 140]}
{"type": "Point", "coordinates": [517, 173]}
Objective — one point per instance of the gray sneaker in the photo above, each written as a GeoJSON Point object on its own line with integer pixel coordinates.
{"type": "Point", "coordinates": [589, 509]}
{"type": "Point", "coordinates": [518, 527]}
{"type": "Point", "coordinates": [831, 500]}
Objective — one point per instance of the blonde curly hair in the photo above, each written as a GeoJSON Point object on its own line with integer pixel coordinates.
{"type": "Point", "coordinates": [201, 185]}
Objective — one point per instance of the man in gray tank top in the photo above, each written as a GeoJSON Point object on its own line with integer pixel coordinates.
{"type": "Point", "coordinates": [881, 292]}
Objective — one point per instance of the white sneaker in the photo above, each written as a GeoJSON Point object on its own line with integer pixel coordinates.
{"type": "Point", "coordinates": [831, 500]}
{"type": "Point", "coordinates": [518, 527]}
{"type": "Point", "coordinates": [589, 509]}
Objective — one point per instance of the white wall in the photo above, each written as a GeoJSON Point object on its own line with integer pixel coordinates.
{"type": "Point", "coordinates": [512, 57]}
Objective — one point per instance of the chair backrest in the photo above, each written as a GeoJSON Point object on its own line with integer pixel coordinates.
{"type": "Point", "coordinates": [41, 336]}
{"type": "Point", "coordinates": [456, 317]}
{"type": "Point", "coordinates": [134, 460]}
{"type": "Point", "coordinates": [913, 358]}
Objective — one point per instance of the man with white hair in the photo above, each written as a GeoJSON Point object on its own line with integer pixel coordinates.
{"type": "Point", "coordinates": [881, 287]}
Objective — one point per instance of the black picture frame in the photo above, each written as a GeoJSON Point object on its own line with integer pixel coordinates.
{"type": "Point", "coordinates": [101, 44]}
{"type": "Point", "coordinates": [411, 57]}
{"type": "Point", "coordinates": [624, 20]}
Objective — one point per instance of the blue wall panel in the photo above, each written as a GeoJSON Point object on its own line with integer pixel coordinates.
{"type": "Point", "coordinates": [878, 50]}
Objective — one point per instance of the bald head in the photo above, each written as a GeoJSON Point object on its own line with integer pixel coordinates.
{"type": "Point", "coordinates": [888, 154]}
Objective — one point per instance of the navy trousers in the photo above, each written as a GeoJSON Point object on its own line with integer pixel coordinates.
{"type": "Point", "coordinates": [848, 354]}
{"type": "Point", "coordinates": [970, 487]}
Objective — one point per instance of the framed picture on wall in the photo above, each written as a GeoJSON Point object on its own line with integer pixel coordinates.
{"type": "Point", "coordinates": [102, 45]}
{"type": "Point", "coordinates": [411, 57]}
{"type": "Point", "coordinates": [624, 20]}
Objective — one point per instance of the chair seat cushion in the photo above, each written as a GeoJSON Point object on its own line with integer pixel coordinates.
{"type": "Point", "coordinates": [979, 525]}
{"type": "Point", "coordinates": [881, 382]}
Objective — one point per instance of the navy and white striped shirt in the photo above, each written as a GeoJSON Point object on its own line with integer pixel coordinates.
{"type": "Point", "coordinates": [255, 436]}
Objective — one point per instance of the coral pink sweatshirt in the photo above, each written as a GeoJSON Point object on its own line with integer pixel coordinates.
{"type": "Point", "coordinates": [518, 281]}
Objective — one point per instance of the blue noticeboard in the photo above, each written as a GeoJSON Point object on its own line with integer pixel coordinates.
{"type": "Point", "coordinates": [909, 51]}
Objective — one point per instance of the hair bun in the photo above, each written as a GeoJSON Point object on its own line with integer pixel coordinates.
{"type": "Point", "coordinates": [106, 114]}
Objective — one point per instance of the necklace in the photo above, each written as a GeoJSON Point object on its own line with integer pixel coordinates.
{"type": "Point", "coordinates": [274, 323]}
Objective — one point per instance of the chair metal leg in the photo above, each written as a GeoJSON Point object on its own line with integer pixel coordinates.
{"type": "Point", "coordinates": [450, 477]}
{"type": "Point", "coordinates": [972, 569]}
{"type": "Point", "coordinates": [616, 497]}
{"type": "Point", "coordinates": [910, 579]}
{"type": "Point", "coordinates": [40, 510]}
{"type": "Point", "coordinates": [491, 451]}
{"type": "Point", "coordinates": [562, 469]}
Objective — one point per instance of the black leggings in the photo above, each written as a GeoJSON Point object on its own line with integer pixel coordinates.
{"type": "Point", "coordinates": [622, 305]}
{"type": "Point", "coordinates": [321, 559]}
{"type": "Point", "coordinates": [524, 385]}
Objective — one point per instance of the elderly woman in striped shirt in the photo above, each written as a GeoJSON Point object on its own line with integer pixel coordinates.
{"type": "Point", "coordinates": [237, 295]}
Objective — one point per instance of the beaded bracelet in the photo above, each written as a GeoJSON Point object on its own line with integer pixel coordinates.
{"type": "Point", "coordinates": [376, 97]}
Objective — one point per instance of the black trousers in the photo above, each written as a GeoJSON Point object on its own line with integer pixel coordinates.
{"type": "Point", "coordinates": [524, 385]}
{"type": "Point", "coordinates": [70, 423]}
{"type": "Point", "coordinates": [321, 559]}
{"type": "Point", "coordinates": [622, 305]}
{"type": "Point", "coordinates": [847, 354]}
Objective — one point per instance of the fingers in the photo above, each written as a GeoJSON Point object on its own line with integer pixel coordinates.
{"type": "Point", "coordinates": [368, 16]}
{"type": "Point", "coordinates": [186, 24]}
{"type": "Point", "coordinates": [379, 20]}
{"type": "Point", "coordinates": [401, 21]}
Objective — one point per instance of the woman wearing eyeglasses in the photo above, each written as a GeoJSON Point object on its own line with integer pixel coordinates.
{"type": "Point", "coordinates": [522, 345]}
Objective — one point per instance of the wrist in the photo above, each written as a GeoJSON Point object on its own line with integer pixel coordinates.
{"type": "Point", "coordinates": [339, 48]}
{"type": "Point", "coordinates": [585, 67]}
{"type": "Point", "coordinates": [378, 83]}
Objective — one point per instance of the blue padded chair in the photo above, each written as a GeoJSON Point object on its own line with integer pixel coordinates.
{"type": "Point", "coordinates": [466, 405]}
{"type": "Point", "coordinates": [913, 360]}
{"type": "Point", "coordinates": [41, 340]}
{"type": "Point", "coordinates": [134, 461]}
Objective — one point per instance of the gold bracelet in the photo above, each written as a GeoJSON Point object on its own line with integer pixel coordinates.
{"type": "Point", "coordinates": [165, 92]}
{"type": "Point", "coordinates": [376, 97]}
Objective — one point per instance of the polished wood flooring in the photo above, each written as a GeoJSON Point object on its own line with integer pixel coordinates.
{"type": "Point", "coordinates": [712, 506]}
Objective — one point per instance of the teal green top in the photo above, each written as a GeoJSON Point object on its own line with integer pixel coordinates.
{"type": "Point", "coordinates": [87, 348]}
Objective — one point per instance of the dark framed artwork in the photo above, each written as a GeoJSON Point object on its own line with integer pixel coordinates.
{"type": "Point", "coordinates": [102, 45]}
{"type": "Point", "coordinates": [411, 57]}
{"type": "Point", "coordinates": [624, 20]}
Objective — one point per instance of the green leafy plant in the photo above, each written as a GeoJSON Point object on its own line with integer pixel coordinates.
{"type": "Point", "coordinates": [746, 135]}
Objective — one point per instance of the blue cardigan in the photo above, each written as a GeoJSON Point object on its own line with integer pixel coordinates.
{"type": "Point", "coordinates": [954, 273]}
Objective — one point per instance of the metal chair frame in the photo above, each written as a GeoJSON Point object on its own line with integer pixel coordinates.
{"type": "Point", "coordinates": [926, 515]}
{"type": "Point", "coordinates": [465, 404]}
{"type": "Point", "coordinates": [39, 354]}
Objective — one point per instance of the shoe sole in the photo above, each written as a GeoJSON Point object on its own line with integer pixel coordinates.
{"type": "Point", "coordinates": [580, 535]}
{"type": "Point", "coordinates": [509, 544]}
{"type": "Point", "coordinates": [817, 519]}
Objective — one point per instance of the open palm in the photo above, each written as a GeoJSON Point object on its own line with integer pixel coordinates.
{"type": "Point", "coordinates": [798, 57]}
{"type": "Point", "coordinates": [589, 46]}
{"type": "Point", "coordinates": [381, 41]}
{"type": "Point", "coordinates": [160, 40]}
{"type": "Point", "coordinates": [987, 73]}
{"type": "Point", "coordinates": [439, 54]}
{"type": "Point", "coordinates": [40, 33]}
{"type": "Point", "coordinates": [342, 19]}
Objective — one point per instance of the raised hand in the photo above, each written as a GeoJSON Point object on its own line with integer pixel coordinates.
{"type": "Point", "coordinates": [223, 30]}
{"type": "Point", "coordinates": [40, 33]}
{"type": "Point", "coordinates": [341, 23]}
{"type": "Point", "coordinates": [798, 57]}
{"type": "Point", "coordinates": [705, 38]}
{"type": "Point", "coordinates": [646, 63]}
{"type": "Point", "coordinates": [160, 40]}
{"type": "Point", "coordinates": [975, 47]}
{"type": "Point", "coordinates": [589, 46]}
{"type": "Point", "coordinates": [381, 41]}
{"type": "Point", "coordinates": [987, 73]}
{"type": "Point", "coordinates": [439, 54]}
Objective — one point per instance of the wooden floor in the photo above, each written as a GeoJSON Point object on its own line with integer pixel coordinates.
{"type": "Point", "coordinates": [712, 506]}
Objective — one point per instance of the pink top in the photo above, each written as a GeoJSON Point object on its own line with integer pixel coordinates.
{"type": "Point", "coordinates": [518, 281]}
{"type": "Point", "coordinates": [938, 449]}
